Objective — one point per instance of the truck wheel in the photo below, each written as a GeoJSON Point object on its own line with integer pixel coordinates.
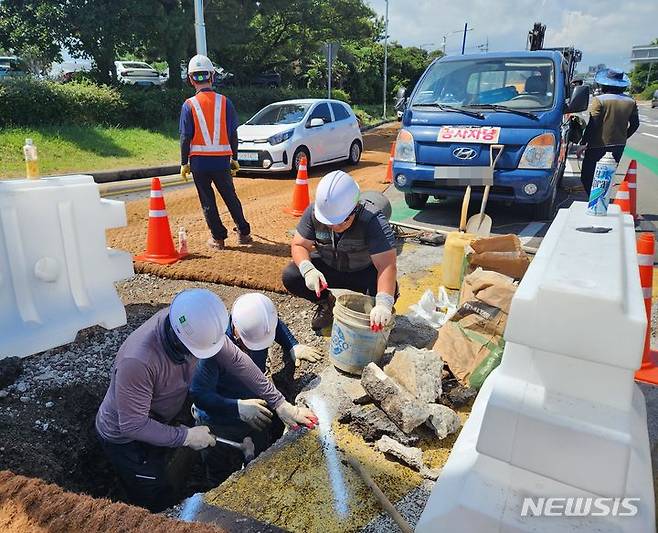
{"type": "Point", "coordinates": [546, 209]}
{"type": "Point", "coordinates": [416, 200]}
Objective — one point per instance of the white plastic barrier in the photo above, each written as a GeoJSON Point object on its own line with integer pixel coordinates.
{"type": "Point", "coordinates": [56, 274]}
{"type": "Point", "coordinates": [561, 420]}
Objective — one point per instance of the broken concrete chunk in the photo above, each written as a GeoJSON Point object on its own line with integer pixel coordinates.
{"type": "Point", "coordinates": [410, 456]}
{"type": "Point", "coordinates": [443, 420]}
{"type": "Point", "coordinates": [371, 423]}
{"type": "Point", "coordinates": [355, 391]}
{"type": "Point", "coordinates": [402, 408]}
{"type": "Point", "coordinates": [418, 371]}
{"type": "Point", "coordinates": [461, 395]}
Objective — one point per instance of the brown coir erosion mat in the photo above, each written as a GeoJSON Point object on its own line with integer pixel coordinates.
{"type": "Point", "coordinates": [30, 505]}
{"type": "Point", "coordinates": [257, 266]}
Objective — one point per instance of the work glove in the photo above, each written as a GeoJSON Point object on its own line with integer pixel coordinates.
{"type": "Point", "coordinates": [301, 352]}
{"type": "Point", "coordinates": [314, 279]}
{"type": "Point", "coordinates": [198, 438]}
{"type": "Point", "coordinates": [381, 314]}
{"type": "Point", "coordinates": [293, 416]}
{"type": "Point", "coordinates": [235, 167]}
{"type": "Point", "coordinates": [185, 171]}
{"type": "Point", "coordinates": [255, 413]}
{"type": "Point", "coordinates": [580, 151]}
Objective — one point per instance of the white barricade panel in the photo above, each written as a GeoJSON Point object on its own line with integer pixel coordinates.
{"type": "Point", "coordinates": [56, 273]}
{"type": "Point", "coordinates": [561, 417]}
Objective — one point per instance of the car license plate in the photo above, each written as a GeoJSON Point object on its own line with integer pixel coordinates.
{"type": "Point", "coordinates": [247, 156]}
{"type": "Point", "coordinates": [480, 135]}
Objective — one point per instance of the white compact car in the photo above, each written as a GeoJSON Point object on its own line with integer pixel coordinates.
{"type": "Point", "coordinates": [276, 138]}
{"type": "Point", "coordinates": [138, 73]}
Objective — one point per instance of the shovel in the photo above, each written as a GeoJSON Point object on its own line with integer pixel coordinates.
{"type": "Point", "coordinates": [481, 223]}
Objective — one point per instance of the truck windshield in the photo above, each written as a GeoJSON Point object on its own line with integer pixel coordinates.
{"type": "Point", "coordinates": [516, 83]}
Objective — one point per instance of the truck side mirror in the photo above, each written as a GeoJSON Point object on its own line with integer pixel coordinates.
{"type": "Point", "coordinates": [579, 99]}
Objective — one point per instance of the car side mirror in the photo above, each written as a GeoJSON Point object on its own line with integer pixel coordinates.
{"type": "Point", "coordinates": [316, 122]}
{"type": "Point", "coordinates": [579, 99]}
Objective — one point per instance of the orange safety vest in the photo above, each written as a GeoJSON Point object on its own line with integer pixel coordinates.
{"type": "Point", "coordinates": [209, 109]}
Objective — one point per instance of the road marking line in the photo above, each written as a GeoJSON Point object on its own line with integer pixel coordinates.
{"type": "Point", "coordinates": [530, 231]}
{"type": "Point", "coordinates": [649, 134]}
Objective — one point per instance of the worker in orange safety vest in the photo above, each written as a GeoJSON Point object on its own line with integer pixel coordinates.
{"type": "Point", "coordinates": [209, 140]}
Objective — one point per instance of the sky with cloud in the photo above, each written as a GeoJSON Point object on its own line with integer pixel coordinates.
{"type": "Point", "coordinates": [604, 30]}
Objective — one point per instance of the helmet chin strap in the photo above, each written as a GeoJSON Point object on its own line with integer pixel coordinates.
{"type": "Point", "coordinates": [174, 348]}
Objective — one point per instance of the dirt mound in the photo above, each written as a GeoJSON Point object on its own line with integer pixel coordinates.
{"type": "Point", "coordinates": [258, 266]}
{"type": "Point", "coordinates": [31, 505]}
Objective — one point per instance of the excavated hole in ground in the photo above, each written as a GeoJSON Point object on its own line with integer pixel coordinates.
{"type": "Point", "coordinates": [47, 415]}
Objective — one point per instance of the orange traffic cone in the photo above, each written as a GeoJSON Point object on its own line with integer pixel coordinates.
{"type": "Point", "coordinates": [622, 198]}
{"type": "Point", "coordinates": [631, 178]}
{"type": "Point", "coordinates": [300, 196]}
{"type": "Point", "coordinates": [389, 170]}
{"type": "Point", "coordinates": [648, 372]}
{"type": "Point", "coordinates": [159, 243]}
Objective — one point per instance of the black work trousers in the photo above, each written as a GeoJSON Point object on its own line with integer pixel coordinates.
{"type": "Point", "coordinates": [592, 157]}
{"type": "Point", "coordinates": [363, 281]}
{"type": "Point", "coordinates": [224, 184]}
{"type": "Point", "coordinates": [142, 469]}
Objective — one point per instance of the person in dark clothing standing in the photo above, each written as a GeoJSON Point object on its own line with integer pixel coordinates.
{"type": "Point", "coordinates": [613, 119]}
{"type": "Point", "coordinates": [208, 139]}
{"type": "Point", "coordinates": [230, 408]}
{"type": "Point", "coordinates": [342, 242]}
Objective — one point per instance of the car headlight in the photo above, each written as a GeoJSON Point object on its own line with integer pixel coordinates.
{"type": "Point", "coordinates": [404, 147]}
{"type": "Point", "coordinates": [280, 137]}
{"type": "Point", "coordinates": [539, 153]}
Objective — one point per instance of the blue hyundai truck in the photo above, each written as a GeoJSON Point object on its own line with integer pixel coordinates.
{"type": "Point", "coordinates": [464, 104]}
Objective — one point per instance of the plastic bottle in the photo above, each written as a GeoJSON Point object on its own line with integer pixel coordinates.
{"type": "Point", "coordinates": [31, 160]}
{"type": "Point", "coordinates": [599, 197]}
{"type": "Point", "coordinates": [182, 241]}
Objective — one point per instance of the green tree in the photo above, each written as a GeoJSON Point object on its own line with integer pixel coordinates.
{"type": "Point", "coordinates": [31, 30]}
{"type": "Point", "coordinates": [644, 74]}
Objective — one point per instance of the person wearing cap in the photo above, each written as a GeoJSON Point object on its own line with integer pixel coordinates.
{"type": "Point", "coordinates": [208, 140]}
{"type": "Point", "coordinates": [343, 243]}
{"type": "Point", "coordinates": [230, 408]}
{"type": "Point", "coordinates": [149, 386]}
{"type": "Point", "coordinates": [613, 118]}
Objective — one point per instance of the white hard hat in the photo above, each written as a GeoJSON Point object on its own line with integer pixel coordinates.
{"type": "Point", "coordinates": [200, 63]}
{"type": "Point", "coordinates": [255, 319]}
{"type": "Point", "coordinates": [199, 319]}
{"type": "Point", "coordinates": [336, 197]}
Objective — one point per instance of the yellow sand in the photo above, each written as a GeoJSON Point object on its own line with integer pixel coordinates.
{"type": "Point", "coordinates": [292, 489]}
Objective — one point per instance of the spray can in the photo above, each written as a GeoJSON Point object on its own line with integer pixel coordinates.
{"type": "Point", "coordinates": [31, 160]}
{"type": "Point", "coordinates": [182, 241]}
{"type": "Point", "coordinates": [599, 197]}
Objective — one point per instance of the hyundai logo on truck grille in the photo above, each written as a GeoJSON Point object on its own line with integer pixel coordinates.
{"type": "Point", "coordinates": [464, 153]}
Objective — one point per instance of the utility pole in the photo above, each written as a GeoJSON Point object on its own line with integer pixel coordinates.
{"type": "Point", "coordinates": [200, 28]}
{"type": "Point", "coordinates": [385, 59]}
{"type": "Point", "coordinates": [444, 44]}
{"type": "Point", "coordinates": [464, 39]}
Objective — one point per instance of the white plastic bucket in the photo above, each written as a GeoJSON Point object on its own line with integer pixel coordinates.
{"type": "Point", "coordinates": [353, 343]}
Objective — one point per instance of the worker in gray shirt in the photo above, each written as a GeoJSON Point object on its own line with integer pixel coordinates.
{"type": "Point", "coordinates": [342, 242]}
{"type": "Point", "coordinates": [613, 118]}
{"type": "Point", "coordinates": [149, 386]}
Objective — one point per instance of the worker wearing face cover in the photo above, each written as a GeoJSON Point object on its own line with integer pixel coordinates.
{"type": "Point", "coordinates": [149, 385]}
{"type": "Point", "coordinates": [343, 243]}
{"type": "Point", "coordinates": [232, 409]}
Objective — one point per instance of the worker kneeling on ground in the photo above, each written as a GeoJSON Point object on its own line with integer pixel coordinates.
{"type": "Point", "coordinates": [148, 389]}
{"type": "Point", "coordinates": [354, 249]}
{"type": "Point", "coordinates": [232, 408]}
